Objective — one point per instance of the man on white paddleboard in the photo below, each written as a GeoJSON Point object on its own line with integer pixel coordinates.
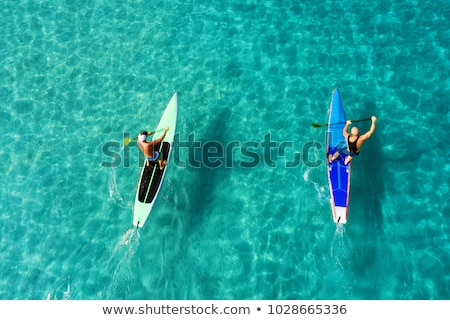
{"type": "Point", "coordinates": [147, 148]}
{"type": "Point", "coordinates": [354, 142]}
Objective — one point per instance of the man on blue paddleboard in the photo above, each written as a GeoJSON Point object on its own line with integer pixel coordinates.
{"type": "Point", "coordinates": [354, 142]}
{"type": "Point", "coordinates": [148, 148]}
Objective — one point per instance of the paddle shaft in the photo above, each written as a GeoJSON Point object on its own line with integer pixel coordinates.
{"type": "Point", "coordinates": [315, 125]}
{"type": "Point", "coordinates": [135, 138]}
{"type": "Point", "coordinates": [150, 133]}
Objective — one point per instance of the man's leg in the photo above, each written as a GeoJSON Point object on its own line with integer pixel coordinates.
{"type": "Point", "coordinates": [162, 163]}
{"type": "Point", "coordinates": [333, 157]}
{"type": "Point", "coordinates": [164, 154]}
{"type": "Point", "coordinates": [348, 159]}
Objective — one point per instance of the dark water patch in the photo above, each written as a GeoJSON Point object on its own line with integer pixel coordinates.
{"type": "Point", "coordinates": [22, 106]}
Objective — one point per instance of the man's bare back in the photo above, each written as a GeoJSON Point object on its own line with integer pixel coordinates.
{"type": "Point", "coordinates": [148, 148]}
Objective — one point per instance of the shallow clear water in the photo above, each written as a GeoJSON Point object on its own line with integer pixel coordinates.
{"type": "Point", "coordinates": [78, 75]}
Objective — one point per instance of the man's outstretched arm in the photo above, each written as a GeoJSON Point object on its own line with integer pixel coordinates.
{"type": "Point", "coordinates": [369, 133]}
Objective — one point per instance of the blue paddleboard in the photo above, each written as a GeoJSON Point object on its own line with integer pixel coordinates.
{"type": "Point", "coordinates": [338, 173]}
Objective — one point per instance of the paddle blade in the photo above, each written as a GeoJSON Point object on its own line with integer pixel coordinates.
{"type": "Point", "coordinates": [126, 141]}
{"type": "Point", "coordinates": [316, 125]}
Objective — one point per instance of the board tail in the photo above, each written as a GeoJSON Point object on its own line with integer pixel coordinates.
{"type": "Point", "coordinates": [340, 215]}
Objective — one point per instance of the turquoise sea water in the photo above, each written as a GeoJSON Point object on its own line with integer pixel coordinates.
{"type": "Point", "coordinates": [75, 76]}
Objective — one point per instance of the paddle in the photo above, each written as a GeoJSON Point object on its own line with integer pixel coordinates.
{"type": "Point", "coordinates": [127, 140]}
{"type": "Point", "coordinates": [316, 125]}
